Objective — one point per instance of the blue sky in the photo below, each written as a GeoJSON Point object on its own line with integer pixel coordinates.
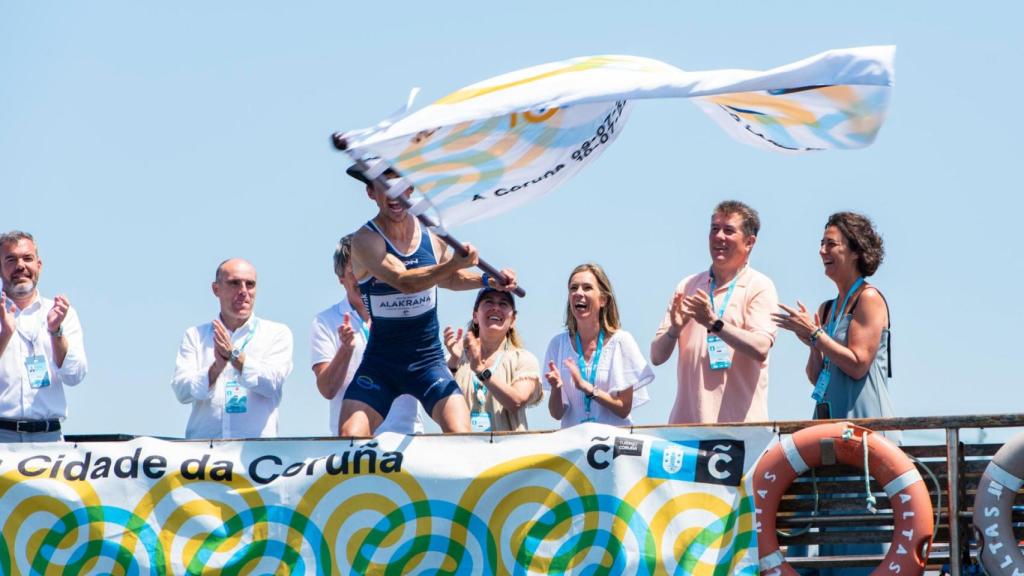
{"type": "Point", "coordinates": [144, 143]}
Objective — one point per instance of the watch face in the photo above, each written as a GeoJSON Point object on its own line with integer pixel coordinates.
{"type": "Point", "coordinates": [485, 375]}
{"type": "Point", "coordinates": [235, 354]}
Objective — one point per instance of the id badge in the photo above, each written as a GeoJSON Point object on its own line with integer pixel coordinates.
{"type": "Point", "coordinates": [480, 421]}
{"type": "Point", "coordinates": [821, 385]}
{"type": "Point", "coordinates": [38, 371]}
{"type": "Point", "coordinates": [718, 353]}
{"type": "Point", "coordinates": [236, 398]}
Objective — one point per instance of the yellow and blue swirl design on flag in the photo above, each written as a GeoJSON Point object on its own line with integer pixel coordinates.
{"type": "Point", "coordinates": [497, 144]}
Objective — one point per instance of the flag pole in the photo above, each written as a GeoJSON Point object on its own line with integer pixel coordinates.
{"type": "Point", "coordinates": [338, 139]}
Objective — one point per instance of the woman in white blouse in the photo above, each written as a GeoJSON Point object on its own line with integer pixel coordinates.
{"type": "Point", "coordinates": [596, 371]}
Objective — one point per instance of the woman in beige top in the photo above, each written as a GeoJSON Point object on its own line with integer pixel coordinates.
{"type": "Point", "coordinates": [498, 377]}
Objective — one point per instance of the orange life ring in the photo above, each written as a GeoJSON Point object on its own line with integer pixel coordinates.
{"type": "Point", "coordinates": [803, 450]}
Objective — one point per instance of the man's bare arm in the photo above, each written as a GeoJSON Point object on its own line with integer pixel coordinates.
{"type": "Point", "coordinates": [370, 255]}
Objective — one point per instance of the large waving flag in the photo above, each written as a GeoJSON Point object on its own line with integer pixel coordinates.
{"type": "Point", "coordinates": [500, 143]}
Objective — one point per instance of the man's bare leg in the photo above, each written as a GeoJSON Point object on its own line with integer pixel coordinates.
{"type": "Point", "coordinates": [358, 419]}
{"type": "Point", "coordinates": [452, 414]}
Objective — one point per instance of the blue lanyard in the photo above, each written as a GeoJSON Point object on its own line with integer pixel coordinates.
{"type": "Point", "coordinates": [728, 294]}
{"type": "Point", "coordinates": [837, 313]}
{"type": "Point", "coordinates": [592, 377]}
{"type": "Point", "coordinates": [479, 390]}
{"type": "Point", "coordinates": [248, 337]}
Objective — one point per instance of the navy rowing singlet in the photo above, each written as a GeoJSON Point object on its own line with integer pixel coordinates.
{"type": "Point", "coordinates": [405, 327]}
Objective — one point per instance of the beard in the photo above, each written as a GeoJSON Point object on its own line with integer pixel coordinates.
{"type": "Point", "coordinates": [22, 288]}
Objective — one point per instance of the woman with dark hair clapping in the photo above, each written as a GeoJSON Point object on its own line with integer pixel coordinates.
{"type": "Point", "coordinates": [848, 339]}
{"type": "Point", "coordinates": [849, 336]}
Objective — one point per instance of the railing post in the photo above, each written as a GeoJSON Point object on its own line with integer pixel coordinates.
{"type": "Point", "coordinates": [953, 500]}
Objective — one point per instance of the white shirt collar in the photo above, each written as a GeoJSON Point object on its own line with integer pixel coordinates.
{"type": "Point", "coordinates": [249, 325]}
{"type": "Point", "coordinates": [34, 305]}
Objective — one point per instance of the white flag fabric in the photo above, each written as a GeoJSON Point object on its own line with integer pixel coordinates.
{"type": "Point", "coordinates": [494, 145]}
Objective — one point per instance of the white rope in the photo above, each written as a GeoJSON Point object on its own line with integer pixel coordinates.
{"type": "Point", "coordinates": [870, 500]}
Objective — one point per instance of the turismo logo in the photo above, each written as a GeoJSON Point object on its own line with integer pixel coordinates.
{"type": "Point", "coordinates": [598, 455]}
{"type": "Point", "coordinates": [704, 461]}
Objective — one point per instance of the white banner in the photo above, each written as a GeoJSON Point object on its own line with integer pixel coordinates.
{"type": "Point", "coordinates": [665, 500]}
{"type": "Point", "coordinates": [492, 146]}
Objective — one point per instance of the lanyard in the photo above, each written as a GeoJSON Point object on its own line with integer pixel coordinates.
{"type": "Point", "coordinates": [30, 340]}
{"type": "Point", "coordinates": [479, 390]}
{"type": "Point", "coordinates": [728, 294]}
{"type": "Point", "coordinates": [837, 313]}
{"type": "Point", "coordinates": [594, 361]}
{"type": "Point", "coordinates": [248, 337]}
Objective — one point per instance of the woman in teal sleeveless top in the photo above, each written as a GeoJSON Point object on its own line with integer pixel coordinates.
{"type": "Point", "coordinates": [848, 341]}
{"type": "Point", "coordinates": [848, 337]}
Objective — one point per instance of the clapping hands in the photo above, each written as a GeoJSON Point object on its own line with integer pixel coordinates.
{"type": "Point", "coordinates": [55, 317]}
{"type": "Point", "coordinates": [798, 321]}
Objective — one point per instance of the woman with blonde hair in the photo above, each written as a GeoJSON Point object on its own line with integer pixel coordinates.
{"type": "Point", "coordinates": [595, 370]}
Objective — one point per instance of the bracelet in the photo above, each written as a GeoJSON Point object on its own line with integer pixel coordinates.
{"type": "Point", "coordinates": [592, 393]}
{"type": "Point", "coordinates": [485, 279]}
{"type": "Point", "coordinates": [816, 334]}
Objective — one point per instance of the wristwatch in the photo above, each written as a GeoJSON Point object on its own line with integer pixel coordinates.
{"type": "Point", "coordinates": [58, 332]}
{"type": "Point", "coordinates": [716, 326]}
{"type": "Point", "coordinates": [235, 353]}
{"type": "Point", "coordinates": [484, 376]}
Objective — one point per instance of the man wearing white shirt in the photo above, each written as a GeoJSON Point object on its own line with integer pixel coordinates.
{"type": "Point", "coordinates": [232, 369]}
{"type": "Point", "coordinates": [41, 348]}
{"type": "Point", "coordinates": [337, 340]}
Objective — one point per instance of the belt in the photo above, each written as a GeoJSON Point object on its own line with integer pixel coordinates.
{"type": "Point", "coordinates": [30, 426]}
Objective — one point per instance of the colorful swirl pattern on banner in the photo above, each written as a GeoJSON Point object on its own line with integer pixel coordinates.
{"type": "Point", "coordinates": [505, 141]}
{"type": "Point", "coordinates": [581, 501]}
